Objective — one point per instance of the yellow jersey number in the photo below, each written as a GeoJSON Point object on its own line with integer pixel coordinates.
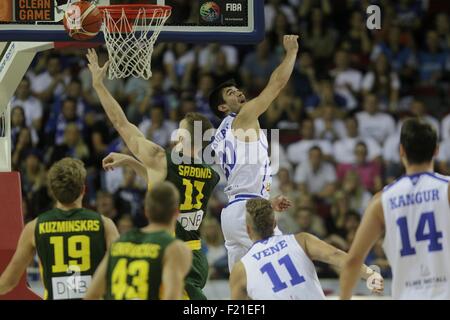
{"type": "Point", "coordinates": [138, 270]}
{"type": "Point", "coordinates": [78, 247]}
{"type": "Point", "coordinates": [189, 194]}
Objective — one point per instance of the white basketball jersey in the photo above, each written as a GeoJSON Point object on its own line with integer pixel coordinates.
{"type": "Point", "coordinates": [278, 269]}
{"type": "Point", "coordinates": [417, 240]}
{"type": "Point", "coordinates": [246, 165]}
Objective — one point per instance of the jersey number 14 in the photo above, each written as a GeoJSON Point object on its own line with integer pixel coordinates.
{"type": "Point", "coordinates": [433, 236]}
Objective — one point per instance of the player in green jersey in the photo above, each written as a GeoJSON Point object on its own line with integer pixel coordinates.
{"type": "Point", "coordinates": [184, 167]}
{"type": "Point", "coordinates": [147, 263]}
{"type": "Point", "coordinates": [70, 241]}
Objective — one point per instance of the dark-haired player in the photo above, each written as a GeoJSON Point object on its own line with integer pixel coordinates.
{"type": "Point", "coordinates": [280, 267]}
{"type": "Point", "coordinates": [241, 148]}
{"type": "Point", "coordinates": [414, 214]}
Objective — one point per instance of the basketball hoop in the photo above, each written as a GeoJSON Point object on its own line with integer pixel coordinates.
{"type": "Point", "coordinates": [130, 46]}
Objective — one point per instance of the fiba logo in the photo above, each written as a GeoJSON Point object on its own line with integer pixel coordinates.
{"type": "Point", "coordinates": [210, 11]}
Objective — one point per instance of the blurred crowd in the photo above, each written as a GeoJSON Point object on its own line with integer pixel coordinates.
{"type": "Point", "coordinates": [339, 116]}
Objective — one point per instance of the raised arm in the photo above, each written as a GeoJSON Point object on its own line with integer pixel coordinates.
{"type": "Point", "coordinates": [143, 149]}
{"type": "Point", "coordinates": [370, 229]}
{"type": "Point", "coordinates": [149, 174]}
{"type": "Point", "coordinates": [319, 250]}
{"type": "Point", "coordinates": [251, 111]}
{"type": "Point", "coordinates": [177, 262]}
{"type": "Point", "coordinates": [20, 261]}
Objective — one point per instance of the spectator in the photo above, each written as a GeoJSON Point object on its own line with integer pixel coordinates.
{"type": "Point", "coordinates": [21, 147]}
{"type": "Point", "coordinates": [308, 222]}
{"type": "Point", "coordinates": [368, 171]}
{"type": "Point", "coordinates": [272, 8]}
{"type": "Point", "coordinates": [258, 66]}
{"type": "Point", "coordinates": [125, 224]}
{"type": "Point", "coordinates": [343, 149]}
{"type": "Point", "coordinates": [373, 123]}
{"type": "Point", "coordinates": [318, 36]}
{"type": "Point", "coordinates": [377, 258]}
{"type": "Point", "coordinates": [324, 94]}
{"type": "Point", "coordinates": [391, 156]}
{"type": "Point", "coordinates": [298, 152]}
{"type": "Point", "coordinates": [129, 197]}
{"type": "Point", "coordinates": [73, 146]}
{"type": "Point", "coordinates": [205, 86]}
{"type": "Point", "coordinates": [56, 126]}
{"type": "Point", "coordinates": [419, 110]}
{"type": "Point", "coordinates": [216, 253]}
{"type": "Point", "coordinates": [304, 77]}
{"type": "Point", "coordinates": [315, 176]}
{"type": "Point", "coordinates": [285, 112]}
{"type": "Point", "coordinates": [328, 126]}
{"type": "Point", "coordinates": [445, 127]}
{"type": "Point", "coordinates": [357, 40]}
{"type": "Point", "coordinates": [52, 82]}
{"type": "Point", "coordinates": [179, 65]}
{"type": "Point", "coordinates": [347, 81]}
{"type": "Point", "coordinates": [442, 27]}
{"type": "Point", "coordinates": [18, 123]}
{"type": "Point", "coordinates": [105, 205]}
{"type": "Point", "coordinates": [209, 57]}
{"type": "Point", "coordinates": [432, 61]}
{"type": "Point", "coordinates": [157, 128]}
{"type": "Point", "coordinates": [357, 196]}
{"type": "Point", "coordinates": [382, 82]}
{"type": "Point", "coordinates": [34, 184]}
{"type": "Point", "coordinates": [31, 106]}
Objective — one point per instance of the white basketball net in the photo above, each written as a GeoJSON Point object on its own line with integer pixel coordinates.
{"type": "Point", "coordinates": [130, 53]}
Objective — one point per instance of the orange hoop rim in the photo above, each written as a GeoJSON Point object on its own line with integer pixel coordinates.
{"type": "Point", "coordinates": [132, 10]}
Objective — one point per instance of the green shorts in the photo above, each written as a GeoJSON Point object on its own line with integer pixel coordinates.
{"type": "Point", "coordinates": [197, 277]}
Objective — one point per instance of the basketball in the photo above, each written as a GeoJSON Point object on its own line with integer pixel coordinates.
{"type": "Point", "coordinates": [82, 20]}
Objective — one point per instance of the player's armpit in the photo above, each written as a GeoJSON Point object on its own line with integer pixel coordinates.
{"type": "Point", "coordinates": [97, 288]}
{"type": "Point", "coordinates": [20, 261]}
{"type": "Point", "coordinates": [150, 154]}
{"type": "Point", "coordinates": [177, 262]}
{"type": "Point", "coordinates": [238, 282]}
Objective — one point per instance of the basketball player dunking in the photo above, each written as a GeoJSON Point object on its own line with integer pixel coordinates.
{"type": "Point", "coordinates": [241, 148]}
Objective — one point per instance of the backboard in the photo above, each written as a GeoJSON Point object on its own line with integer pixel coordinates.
{"type": "Point", "coordinates": [199, 21]}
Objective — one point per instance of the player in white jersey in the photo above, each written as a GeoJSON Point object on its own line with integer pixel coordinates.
{"type": "Point", "coordinates": [280, 267]}
{"type": "Point", "coordinates": [414, 213]}
{"type": "Point", "coordinates": [241, 148]}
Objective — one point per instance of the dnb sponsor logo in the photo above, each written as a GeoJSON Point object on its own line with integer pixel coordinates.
{"type": "Point", "coordinates": [210, 11]}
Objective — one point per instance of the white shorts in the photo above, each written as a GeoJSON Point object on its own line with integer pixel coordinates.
{"type": "Point", "coordinates": [234, 231]}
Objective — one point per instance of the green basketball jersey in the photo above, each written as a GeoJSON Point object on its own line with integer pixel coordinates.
{"type": "Point", "coordinates": [195, 182]}
{"type": "Point", "coordinates": [135, 265]}
{"type": "Point", "coordinates": [70, 245]}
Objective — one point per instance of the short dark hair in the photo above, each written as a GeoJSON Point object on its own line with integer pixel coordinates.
{"type": "Point", "coordinates": [216, 97]}
{"type": "Point", "coordinates": [419, 139]}
{"type": "Point", "coordinates": [162, 202]}
{"type": "Point", "coordinates": [315, 148]}
{"type": "Point", "coordinates": [262, 217]}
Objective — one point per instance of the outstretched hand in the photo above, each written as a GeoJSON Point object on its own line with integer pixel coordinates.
{"type": "Point", "coordinates": [98, 73]}
{"type": "Point", "coordinates": [114, 160]}
{"type": "Point", "coordinates": [281, 203]}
